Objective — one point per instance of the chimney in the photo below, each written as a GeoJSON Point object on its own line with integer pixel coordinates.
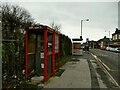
{"type": "Point", "coordinates": [116, 29]}
{"type": "Point", "coordinates": [104, 36]}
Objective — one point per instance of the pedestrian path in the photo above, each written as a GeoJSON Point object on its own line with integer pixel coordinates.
{"type": "Point", "coordinates": [76, 75]}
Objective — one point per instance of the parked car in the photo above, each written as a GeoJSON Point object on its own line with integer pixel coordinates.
{"type": "Point", "coordinates": [112, 49]}
{"type": "Point", "coordinates": [103, 48]}
{"type": "Point", "coordinates": [115, 49]}
{"type": "Point", "coordinates": [108, 48]}
{"type": "Point", "coordinates": [83, 47]}
{"type": "Point", "coordinates": [118, 50]}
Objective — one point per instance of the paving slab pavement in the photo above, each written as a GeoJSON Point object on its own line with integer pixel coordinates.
{"type": "Point", "coordinates": [76, 75]}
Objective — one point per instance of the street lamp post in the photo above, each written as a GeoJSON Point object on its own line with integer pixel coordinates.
{"type": "Point", "coordinates": [109, 33]}
{"type": "Point", "coordinates": [81, 27]}
{"type": "Point", "coordinates": [109, 37]}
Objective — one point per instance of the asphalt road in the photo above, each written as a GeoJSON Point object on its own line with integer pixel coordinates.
{"type": "Point", "coordinates": [111, 61]}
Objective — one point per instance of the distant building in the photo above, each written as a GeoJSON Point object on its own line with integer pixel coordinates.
{"type": "Point", "coordinates": [116, 38]}
{"type": "Point", "coordinates": [103, 43]}
{"type": "Point", "coordinates": [92, 44]}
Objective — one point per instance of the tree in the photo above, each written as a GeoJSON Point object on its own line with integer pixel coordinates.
{"type": "Point", "coordinates": [15, 18]}
{"type": "Point", "coordinates": [14, 22]}
{"type": "Point", "coordinates": [55, 26]}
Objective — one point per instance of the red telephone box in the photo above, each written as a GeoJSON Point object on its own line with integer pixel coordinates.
{"type": "Point", "coordinates": [42, 51]}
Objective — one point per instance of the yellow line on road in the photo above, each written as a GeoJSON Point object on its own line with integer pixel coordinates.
{"type": "Point", "coordinates": [101, 62]}
{"type": "Point", "coordinates": [106, 66]}
{"type": "Point", "coordinates": [105, 69]}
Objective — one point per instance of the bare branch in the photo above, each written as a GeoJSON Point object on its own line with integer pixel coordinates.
{"type": "Point", "coordinates": [55, 26]}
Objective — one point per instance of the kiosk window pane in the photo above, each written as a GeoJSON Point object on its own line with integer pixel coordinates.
{"type": "Point", "coordinates": [31, 63]}
{"type": "Point", "coordinates": [56, 61]}
{"type": "Point", "coordinates": [49, 42]}
{"type": "Point", "coordinates": [56, 43]}
{"type": "Point", "coordinates": [49, 64]}
{"type": "Point", "coordinates": [31, 41]}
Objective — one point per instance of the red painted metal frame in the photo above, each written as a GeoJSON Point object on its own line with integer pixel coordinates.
{"type": "Point", "coordinates": [55, 70]}
{"type": "Point", "coordinates": [51, 53]}
{"type": "Point", "coordinates": [36, 48]}
{"type": "Point", "coordinates": [58, 51]}
{"type": "Point", "coordinates": [53, 50]}
{"type": "Point", "coordinates": [26, 54]}
{"type": "Point", "coordinates": [46, 31]}
{"type": "Point", "coordinates": [45, 55]}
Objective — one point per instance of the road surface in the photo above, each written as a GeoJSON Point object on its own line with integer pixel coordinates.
{"type": "Point", "coordinates": [111, 61]}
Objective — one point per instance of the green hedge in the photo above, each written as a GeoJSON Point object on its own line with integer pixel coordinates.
{"type": "Point", "coordinates": [65, 46]}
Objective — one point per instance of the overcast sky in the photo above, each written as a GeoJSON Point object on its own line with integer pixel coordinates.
{"type": "Point", "coordinates": [103, 16]}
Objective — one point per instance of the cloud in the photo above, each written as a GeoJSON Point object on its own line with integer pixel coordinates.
{"type": "Point", "coordinates": [103, 16]}
{"type": "Point", "coordinates": [59, 0]}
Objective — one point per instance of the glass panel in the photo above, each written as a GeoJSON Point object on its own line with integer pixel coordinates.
{"type": "Point", "coordinates": [31, 61]}
{"type": "Point", "coordinates": [56, 61]}
{"type": "Point", "coordinates": [49, 42]}
{"type": "Point", "coordinates": [49, 64]}
{"type": "Point", "coordinates": [40, 56]}
{"type": "Point", "coordinates": [56, 43]}
{"type": "Point", "coordinates": [31, 43]}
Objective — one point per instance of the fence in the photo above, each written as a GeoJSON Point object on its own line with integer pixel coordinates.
{"type": "Point", "coordinates": [12, 62]}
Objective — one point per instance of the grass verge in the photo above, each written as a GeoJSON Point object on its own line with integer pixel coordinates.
{"type": "Point", "coordinates": [64, 60]}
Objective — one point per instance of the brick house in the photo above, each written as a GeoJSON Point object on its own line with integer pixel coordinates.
{"type": "Point", "coordinates": [92, 44]}
{"type": "Point", "coordinates": [103, 43]}
{"type": "Point", "coordinates": [116, 38]}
